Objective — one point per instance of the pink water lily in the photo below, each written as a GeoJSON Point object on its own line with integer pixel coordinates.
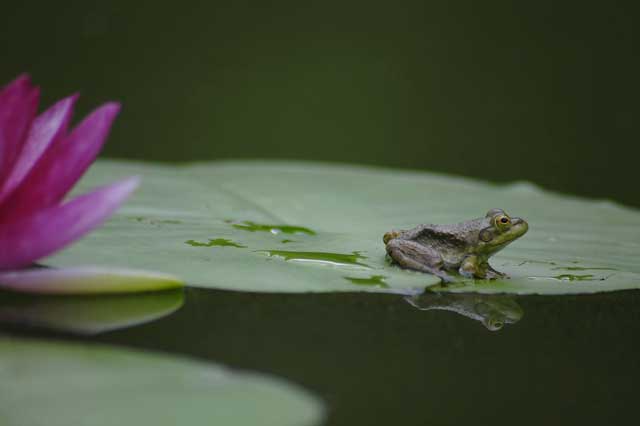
{"type": "Point", "coordinates": [40, 162]}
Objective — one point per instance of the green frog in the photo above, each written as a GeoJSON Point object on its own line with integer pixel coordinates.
{"type": "Point", "coordinates": [464, 247]}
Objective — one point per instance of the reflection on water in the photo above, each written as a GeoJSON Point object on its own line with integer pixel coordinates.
{"type": "Point", "coordinates": [87, 315]}
{"type": "Point", "coordinates": [493, 311]}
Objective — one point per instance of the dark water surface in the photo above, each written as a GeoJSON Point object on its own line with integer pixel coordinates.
{"type": "Point", "coordinates": [377, 360]}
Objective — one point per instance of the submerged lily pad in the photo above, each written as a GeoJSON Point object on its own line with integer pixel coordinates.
{"type": "Point", "coordinates": [346, 210]}
{"type": "Point", "coordinates": [62, 384]}
{"type": "Point", "coordinates": [87, 315]}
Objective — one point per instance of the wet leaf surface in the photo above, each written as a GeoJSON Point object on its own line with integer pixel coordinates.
{"type": "Point", "coordinates": [238, 216]}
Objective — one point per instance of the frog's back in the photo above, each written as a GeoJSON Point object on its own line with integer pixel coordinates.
{"type": "Point", "coordinates": [451, 241]}
{"type": "Point", "coordinates": [439, 236]}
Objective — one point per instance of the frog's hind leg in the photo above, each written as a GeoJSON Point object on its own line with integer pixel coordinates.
{"type": "Point", "coordinates": [412, 255]}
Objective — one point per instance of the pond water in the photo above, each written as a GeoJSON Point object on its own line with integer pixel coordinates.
{"type": "Point", "coordinates": [377, 359]}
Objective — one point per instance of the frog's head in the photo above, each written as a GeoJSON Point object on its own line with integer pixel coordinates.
{"type": "Point", "coordinates": [499, 229]}
{"type": "Point", "coordinates": [496, 311]}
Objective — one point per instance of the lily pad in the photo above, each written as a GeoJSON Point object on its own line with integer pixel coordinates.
{"type": "Point", "coordinates": [332, 218]}
{"type": "Point", "coordinates": [86, 280]}
{"type": "Point", "coordinates": [61, 384]}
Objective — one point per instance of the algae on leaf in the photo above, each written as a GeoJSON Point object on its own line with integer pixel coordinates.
{"type": "Point", "coordinates": [574, 245]}
{"type": "Point", "coordinates": [62, 384]}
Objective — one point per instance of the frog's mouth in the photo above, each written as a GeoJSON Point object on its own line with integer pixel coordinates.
{"type": "Point", "coordinates": [519, 227]}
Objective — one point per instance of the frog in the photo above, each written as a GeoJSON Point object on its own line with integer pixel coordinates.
{"type": "Point", "coordinates": [463, 247]}
{"type": "Point", "coordinates": [491, 310]}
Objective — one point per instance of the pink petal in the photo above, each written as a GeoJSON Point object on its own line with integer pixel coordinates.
{"type": "Point", "coordinates": [61, 167]}
{"type": "Point", "coordinates": [86, 280]}
{"type": "Point", "coordinates": [17, 84]}
{"type": "Point", "coordinates": [18, 106]}
{"type": "Point", "coordinates": [48, 127]}
{"type": "Point", "coordinates": [38, 235]}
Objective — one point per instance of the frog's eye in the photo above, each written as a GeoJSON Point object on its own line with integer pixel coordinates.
{"type": "Point", "coordinates": [502, 221]}
{"type": "Point", "coordinates": [495, 324]}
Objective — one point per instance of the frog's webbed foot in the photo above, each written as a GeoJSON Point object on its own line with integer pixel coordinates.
{"type": "Point", "coordinates": [411, 255]}
{"type": "Point", "coordinates": [446, 278]}
{"type": "Point", "coordinates": [492, 274]}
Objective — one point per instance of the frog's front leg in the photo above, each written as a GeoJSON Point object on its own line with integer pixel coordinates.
{"type": "Point", "coordinates": [470, 267]}
{"type": "Point", "coordinates": [412, 255]}
{"type": "Point", "coordinates": [473, 267]}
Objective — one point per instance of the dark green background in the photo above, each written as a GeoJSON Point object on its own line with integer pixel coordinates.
{"type": "Point", "coordinates": [545, 91]}
{"type": "Point", "coordinates": [542, 91]}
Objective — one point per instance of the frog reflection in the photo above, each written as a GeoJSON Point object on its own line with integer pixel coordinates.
{"type": "Point", "coordinates": [493, 311]}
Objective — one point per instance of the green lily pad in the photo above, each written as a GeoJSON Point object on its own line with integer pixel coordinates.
{"type": "Point", "coordinates": [333, 218]}
{"type": "Point", "coordinates": [61, 384]}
